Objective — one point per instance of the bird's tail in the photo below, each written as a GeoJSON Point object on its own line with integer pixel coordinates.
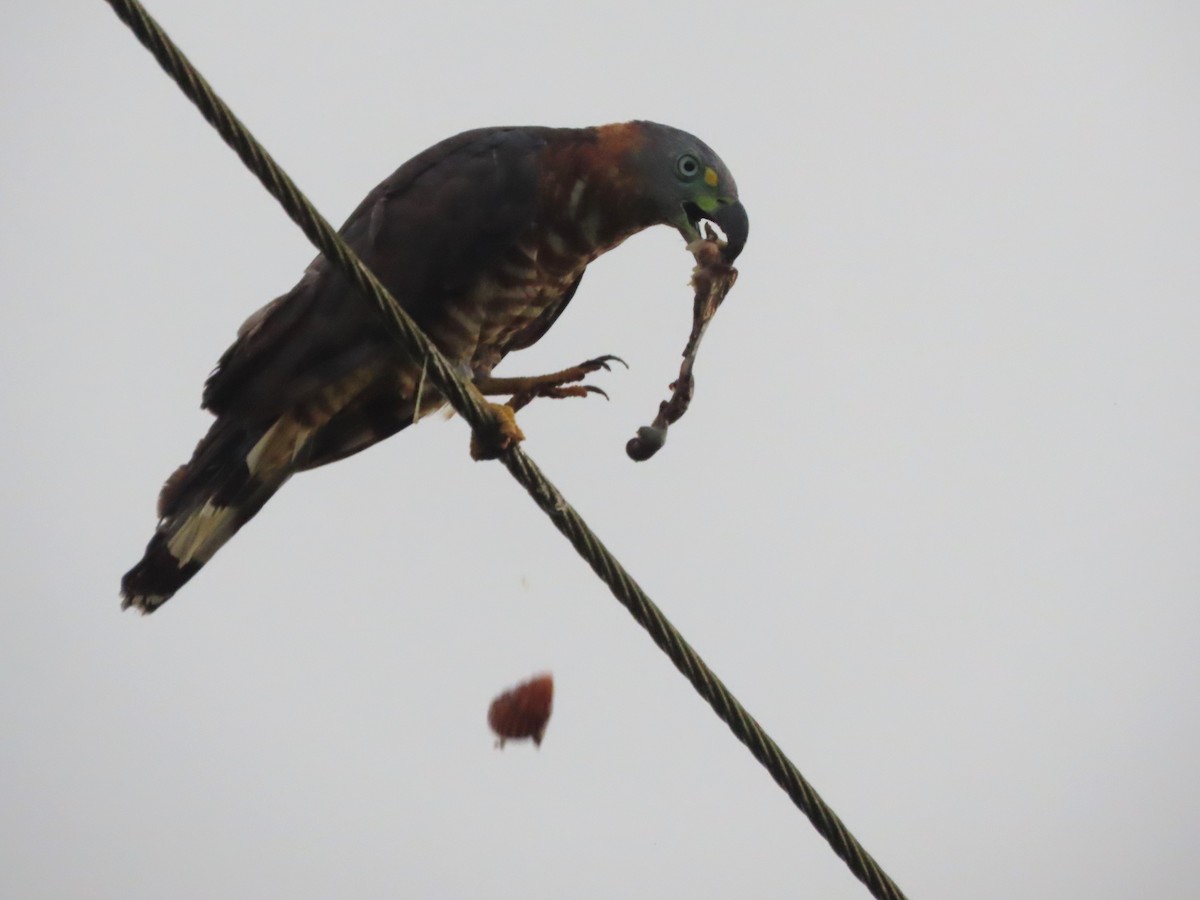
{"type": "Point", "coordinates": [232, 474]}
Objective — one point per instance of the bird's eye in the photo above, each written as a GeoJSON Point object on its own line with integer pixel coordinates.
{"type": "Point", "coordinates": [687, 166]}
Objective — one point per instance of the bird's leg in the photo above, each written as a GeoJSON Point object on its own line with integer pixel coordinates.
{"type": "Point", "coordinates": [505, 433]}
{"type": "Point", "coordinates": [556, 384]}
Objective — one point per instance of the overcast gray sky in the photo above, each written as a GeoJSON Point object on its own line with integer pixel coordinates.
{"type": "Point", "coordinates": [933, 515]}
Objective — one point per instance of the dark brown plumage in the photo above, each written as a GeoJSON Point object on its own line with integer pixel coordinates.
{"type": "Point", "coordinates": [483, 239]}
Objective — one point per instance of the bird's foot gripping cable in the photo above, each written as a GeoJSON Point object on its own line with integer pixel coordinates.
{"type": "Point", "coordinates": [500, 435]}
{"type": "Point", "coordinates": [711, 278]}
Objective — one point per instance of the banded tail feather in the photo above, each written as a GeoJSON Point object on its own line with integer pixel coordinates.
{"type": "Point", "coordinates": [236, 469]}
{"type": "Point", "coordinates": [231, 476]}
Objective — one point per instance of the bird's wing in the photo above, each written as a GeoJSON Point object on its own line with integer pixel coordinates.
{"type": "Point", "coordinates": [428, 232]}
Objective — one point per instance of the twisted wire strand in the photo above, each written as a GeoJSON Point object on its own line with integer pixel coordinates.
{"type": "Point", "coordinates": [469, 403]}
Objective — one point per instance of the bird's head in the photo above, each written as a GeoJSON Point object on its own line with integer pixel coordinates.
{"type": "Point", "coordinates": [688, 184]}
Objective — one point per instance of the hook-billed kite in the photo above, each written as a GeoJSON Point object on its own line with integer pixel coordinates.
{"type": "Point", "coordinates": [483, 239]}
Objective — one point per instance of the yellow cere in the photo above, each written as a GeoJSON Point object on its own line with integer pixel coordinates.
{"type": "Point", "coordinates": [710, 177]}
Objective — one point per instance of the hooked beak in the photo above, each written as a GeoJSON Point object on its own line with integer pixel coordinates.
{"type": "Point", "coordinates": [731, 218]}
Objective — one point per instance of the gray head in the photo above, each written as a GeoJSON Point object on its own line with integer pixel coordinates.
{"type": "Point", "coordinates": [690, 184]}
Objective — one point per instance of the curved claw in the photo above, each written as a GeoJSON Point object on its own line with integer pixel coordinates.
{"type": "Point", "coordinates": [556, 392]}
{"type": "Point", "coordinates": [602, 362]}
{"type": "Point", "coordinates": [561, 391]}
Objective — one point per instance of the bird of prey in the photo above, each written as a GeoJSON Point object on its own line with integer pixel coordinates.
{"type": "Point", "coordinates": [483, 239]}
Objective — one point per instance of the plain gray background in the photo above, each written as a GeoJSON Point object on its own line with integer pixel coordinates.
{"type": "Point", "coordinates": [933, 515]}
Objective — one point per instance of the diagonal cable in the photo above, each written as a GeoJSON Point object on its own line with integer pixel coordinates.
{"type": "Point", "coordinates": [469, 403]}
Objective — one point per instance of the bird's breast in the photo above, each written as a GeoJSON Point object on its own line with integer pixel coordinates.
{"type": "Point", "coordinates": [506, 302]}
